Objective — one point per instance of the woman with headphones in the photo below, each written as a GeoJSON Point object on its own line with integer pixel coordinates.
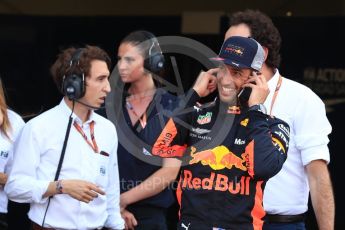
{"type": "Point", "coordinates": [10, 126]}
{"type": "Point", "coordinates": [144, 179]}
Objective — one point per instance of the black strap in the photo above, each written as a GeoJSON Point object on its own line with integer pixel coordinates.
{"type": "Point", "coordinates": [61, 158]}
{"type": "Point", "coordinates": [63, 149]}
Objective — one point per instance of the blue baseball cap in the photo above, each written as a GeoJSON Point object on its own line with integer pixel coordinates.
{"type": "Point", "coordinates": [242, 52]}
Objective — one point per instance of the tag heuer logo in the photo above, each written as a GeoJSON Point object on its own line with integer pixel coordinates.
{"type": "Point", "coordinates": [204, 119]}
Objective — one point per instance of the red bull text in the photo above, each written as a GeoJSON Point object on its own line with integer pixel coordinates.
{"type": "Point", "coordinates": [217, 182]}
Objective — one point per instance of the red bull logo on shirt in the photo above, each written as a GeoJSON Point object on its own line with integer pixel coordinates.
{"type": "Point", "coordinates": [217, 182]}
{"type": "Point", "coordinates": [219, 158]}
{"type": "Point", "coordinates": [234, 110]}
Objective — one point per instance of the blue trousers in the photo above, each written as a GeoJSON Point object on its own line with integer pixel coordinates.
{"type": "Point", "coordinates": [284, 226]}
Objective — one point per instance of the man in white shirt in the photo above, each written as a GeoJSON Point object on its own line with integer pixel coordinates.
{"type": "Point", "coordinates": [286, 194]}
{"type": "Point", "coordinates": [85, 194]}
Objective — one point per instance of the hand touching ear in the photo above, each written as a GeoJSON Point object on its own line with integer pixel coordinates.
{"type": "Point", "coordinates": [206, 82]}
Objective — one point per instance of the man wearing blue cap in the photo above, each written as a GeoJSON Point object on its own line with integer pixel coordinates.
{"type": "Point", "coordinates": [306, 169]}
{"type": "Point", "coordinates": [228, 152]}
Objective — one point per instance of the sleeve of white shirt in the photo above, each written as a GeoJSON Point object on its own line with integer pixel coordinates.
{"type": "Point", "coordinates": [17, 124]}
{"type": "Point", "coordinates": [22, 185]}
{"type": "Point", "coordinates": [312, 128]}
{"type": "Point", "coordinates": [114, 220]}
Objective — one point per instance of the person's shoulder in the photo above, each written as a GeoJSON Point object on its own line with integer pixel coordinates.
{"type": "Point", "coordinates": [300, 90]}
{"type": "Point", "coordinates": [50, 116]}
{"type": "Point", "coordinates": [275, 120]}
{"type": "Point", "coordinates": [14, 117]}
{"type": "Point", "coordinates": [16, 121]}
{"type": "Point", "coordinates": [167, 99]}
{"type": "Point", "coordinates": [168, 95]}
{"type": "Point", "coordinates": [42, 123]}
{"type": "Point", "coordinates": [297, 86]}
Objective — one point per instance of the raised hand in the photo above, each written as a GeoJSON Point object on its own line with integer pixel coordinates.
{"type": "Point", "coordinates": [260, 89]}
{"type": "Point", "coordinates": [206, 82]}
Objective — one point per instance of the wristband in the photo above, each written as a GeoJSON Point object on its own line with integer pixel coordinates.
{"type": "Point", "coordinates": [59, 187]}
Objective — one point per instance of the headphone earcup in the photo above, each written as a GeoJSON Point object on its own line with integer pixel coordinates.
{"type": "Point", "coordinates": [73, 86]}
{"type": "Point", "coordinates": [154, 63]}
{"type": "Point", "coordinates": [157, 62]}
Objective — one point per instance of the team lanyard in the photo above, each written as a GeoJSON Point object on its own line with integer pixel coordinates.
{"type": "Point", "coordinates": [276, 93]}
{"type": "Point", "coordinates": [93, 145]}
{"type": "Point", "coordinates": [142, 119]}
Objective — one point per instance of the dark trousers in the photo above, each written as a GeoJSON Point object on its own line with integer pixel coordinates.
{"type": "Point", "coordinates": [17, 216]}
{"type": "Point", "coordinates": [284, 226]}
{"type": "Point", "coordinates": [3, 221]}
{"type": "Point", "coordinates": [150, 218]}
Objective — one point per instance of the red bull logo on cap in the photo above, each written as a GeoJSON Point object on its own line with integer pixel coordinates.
{"type": "Point", "coordinates": [234, 49]}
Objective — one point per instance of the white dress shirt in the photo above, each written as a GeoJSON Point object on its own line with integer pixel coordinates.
{"type": "Point", "coordinates": [6, 152]}
{"type": "Point", "coordinates": [287, 192]}
{"type": "Point", "coordinates": [36, 156]}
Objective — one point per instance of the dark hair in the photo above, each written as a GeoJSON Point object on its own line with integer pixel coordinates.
{"type": "Point", "coordinates": [263, 30]}
{"type": "Point", "coordinates": [62, 66]}
{"type": "Point", "coordinates": [139, 39]}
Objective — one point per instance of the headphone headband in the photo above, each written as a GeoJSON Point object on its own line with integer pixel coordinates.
{"type": "Point", "coordinates": [154, 62]}
{"type": "Point", "coordinates": [73, 84]}
{"type": "Point", "coordinates": [76, 57]}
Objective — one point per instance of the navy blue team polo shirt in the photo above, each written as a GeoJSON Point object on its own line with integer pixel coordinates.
{"type": "Point", "coordinates": [135, 169]}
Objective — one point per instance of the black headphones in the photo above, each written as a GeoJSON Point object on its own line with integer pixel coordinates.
{"type": "Point", "coordinates": [154, 62]}
{"type": "Point", "coordinates": [73, 83]}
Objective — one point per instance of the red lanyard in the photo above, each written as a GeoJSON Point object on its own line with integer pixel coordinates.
{"type": "Point", "coordinates": [93, 145]}
{"type": "Point", "coordinates": [276, 93]}
{"type": "Point", "coordinates": [142, 119]}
